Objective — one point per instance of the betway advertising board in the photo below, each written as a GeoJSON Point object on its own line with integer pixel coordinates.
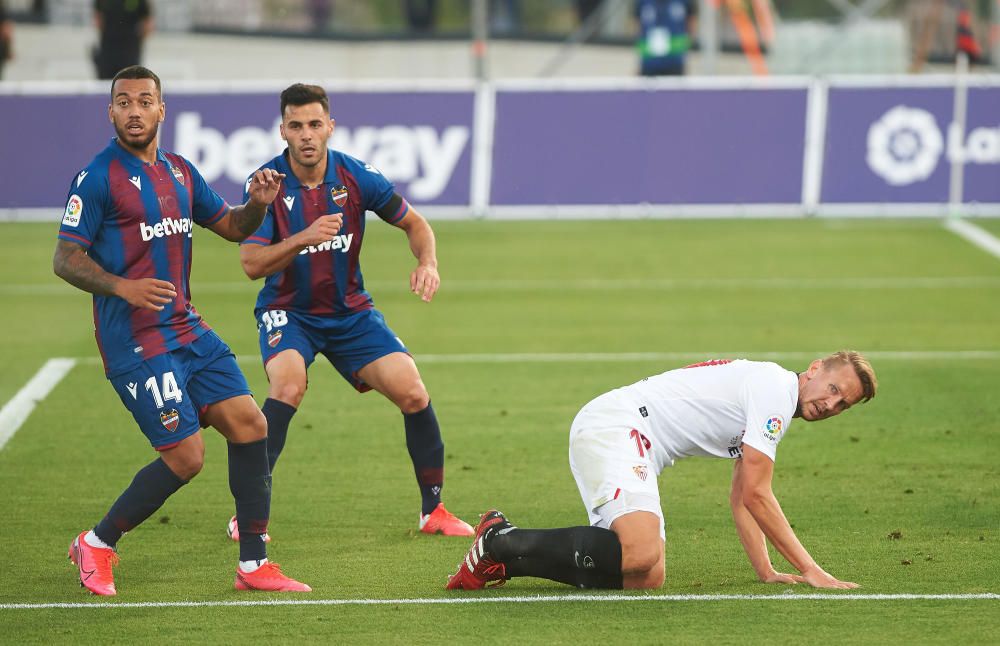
{"type": "Point", "coordinates": [898, 145]}
{"type": "Point", "coordinates": [719, 147]}
{"type": "Point", "coordinates": [422, 141]}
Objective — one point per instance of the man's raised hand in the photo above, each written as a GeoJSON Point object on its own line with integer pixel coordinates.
{"type": "Point", "coordinates": [264, 186]}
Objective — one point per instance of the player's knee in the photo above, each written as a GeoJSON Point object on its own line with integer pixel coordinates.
{"type": "Point", "coordinates": [640, 558]}
{"type": "Point", "coordinates": [185, 461]}
{"type": "Point", "coordinates": [654, 577]}
{"type": "Point", "coordinates": [289, 392]}
{"type": "Point", "coordinates": [189, 467]}
{"type": "Point", "coordinates": [256, 425]}
{"type": "Point", "coordinates": [651, 580]}
{"type": "Point", "coordinates": [413, 399]}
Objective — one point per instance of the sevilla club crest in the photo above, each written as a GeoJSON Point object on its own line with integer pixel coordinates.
{"type": "Point", "coordinates": [339, 195]}
{"type": "Point", "coordinates": [170, 419]}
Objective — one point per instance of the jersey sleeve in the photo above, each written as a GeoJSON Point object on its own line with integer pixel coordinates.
{"type": "Point", "coordinates": [376, 189]}
{"type": "Point", "coordinates": [87, 203]}
{"type": "Point", "coordinates": [264, 235]}
{"type": "Point", "coordinates": [207, 206]}
{"type": "Point", "coordinates": [768, 397]}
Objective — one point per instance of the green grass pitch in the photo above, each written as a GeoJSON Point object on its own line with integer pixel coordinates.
{"type": "Point", "coordinates": [532, 320]}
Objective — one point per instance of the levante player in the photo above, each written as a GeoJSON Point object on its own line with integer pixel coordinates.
{"type": "Point", "coordinates": [126, 238]}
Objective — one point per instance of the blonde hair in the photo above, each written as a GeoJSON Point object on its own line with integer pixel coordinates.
{"type": "Point", "coordinates": [862, 368]}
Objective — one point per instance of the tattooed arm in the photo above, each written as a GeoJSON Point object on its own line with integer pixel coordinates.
{"type": "Point", "coordinates": [243, 220]}
{"type": "Point", "coordinates": [72, 264]}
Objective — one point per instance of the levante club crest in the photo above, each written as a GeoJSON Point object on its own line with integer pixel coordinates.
{"type": "Point", "coordinates": [178, 175]}
{"type": "Point", "coordinates": [170, 419]}
{"type": "Point", "coordinates": [274, 338]}
{"type": "Point", "coordinates": [339, 195]}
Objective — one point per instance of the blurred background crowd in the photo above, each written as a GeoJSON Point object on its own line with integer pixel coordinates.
{"type": "Point", "coordinates": [230, 39]}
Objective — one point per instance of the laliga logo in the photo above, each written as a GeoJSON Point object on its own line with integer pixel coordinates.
{"type": "Point", "coordinates": [904, 145]}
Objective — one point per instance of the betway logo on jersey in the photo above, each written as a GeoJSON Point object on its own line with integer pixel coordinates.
{"type": "Point", "coordinates": [422, 157]}
{"type": "Point", "coordinates": [906, 144]}
{"type": "Point", "coordinates": [166, 227]}
{"type": "Point", "coordinates": [341, 243]}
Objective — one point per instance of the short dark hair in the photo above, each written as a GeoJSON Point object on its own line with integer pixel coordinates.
{"type": "Point", "coordinates": [136, 72]}
{"type": "Point", "coordinates": [302, 94]}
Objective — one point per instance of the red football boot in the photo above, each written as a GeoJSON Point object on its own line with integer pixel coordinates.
{"type": "Point", "coordinates": [442, 521]}
{"type": "Point", "coordinates": [480, 569]}
{"type": "Point", "coordinates": [268, 578]}
{"type": "Point", "coordinates": [94, 564]}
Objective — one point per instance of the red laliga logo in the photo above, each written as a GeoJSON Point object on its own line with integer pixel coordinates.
{"type": "Point", "coordinates": [274, 339]}
{"type": "Point", "coordinates": [170, 419]}
{"type": "Point", "coordinates": [339, 195]}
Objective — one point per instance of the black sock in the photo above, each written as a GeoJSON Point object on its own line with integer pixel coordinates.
{"type": "Point", "coordinates": [423, 441]}
{"type": "Point", "coordinates": [279, 415]}
{"type": "Point", "coordinates": [587, 557]}
{"type": "Point", "coordinates": [150, 488]}
{"type": "Point", "coordinates": [250, 482]}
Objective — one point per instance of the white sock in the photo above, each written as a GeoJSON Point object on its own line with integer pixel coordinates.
{"type": "Point", "coordinates": [92, 540]}
{"type": "Point", "coordinates": [251, 566]}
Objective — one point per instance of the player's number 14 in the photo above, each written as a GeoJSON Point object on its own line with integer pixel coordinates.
{"type": "Point", "coordinates": [170, 389]}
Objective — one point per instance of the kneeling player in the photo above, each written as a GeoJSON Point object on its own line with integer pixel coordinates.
{"type": "Point", "coordinates": [622, 440]}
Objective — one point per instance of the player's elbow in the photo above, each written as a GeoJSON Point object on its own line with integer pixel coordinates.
{"type": "Point", "coordinates": [59, 264]}
{"type": "Point", "coordinates": [251, 268]}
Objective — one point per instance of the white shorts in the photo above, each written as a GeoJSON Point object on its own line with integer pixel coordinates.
{"type": "Point", "coordinates": [613, 477]}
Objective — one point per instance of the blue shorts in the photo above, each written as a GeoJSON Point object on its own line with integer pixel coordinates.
{"type": "Point", "coordinates": [167, 394]}
{"type": "Point", "coordinates": [348, 342]}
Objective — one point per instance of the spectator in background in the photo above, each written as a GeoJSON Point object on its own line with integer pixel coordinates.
{"type": "Point", "coordinates": [421, 15]}
{"type": "Point", "coordinates": [123, 26]}
{"type": "Point", "coordinates": [6, 37]}
{"type": "Point", "coordinates": [320, 12]}
{"type": "Point", "coordinates": [586, 7]}
{"type": "Point", "coordinates": [665, 28]}
{"type": "Point", "coordinates": [505, 16]}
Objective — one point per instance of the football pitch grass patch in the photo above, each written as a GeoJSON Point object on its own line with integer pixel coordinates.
{"type": "Point", "coordinates": [534, 319]}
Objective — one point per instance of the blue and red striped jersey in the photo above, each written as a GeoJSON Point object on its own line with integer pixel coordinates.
{"type": "Point", "coordinates": [136, 221]}
{"type": "Point", "coordinates": [324, 280]}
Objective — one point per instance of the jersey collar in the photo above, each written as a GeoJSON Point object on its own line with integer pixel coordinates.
{"type": "Point", "coordinates": [131, 160]}
{"type": "Point", "coordinates": [291, 181]}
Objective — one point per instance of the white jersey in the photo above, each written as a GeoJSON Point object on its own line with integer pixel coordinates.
{"type": "Point", "coordinates": [708, 409]}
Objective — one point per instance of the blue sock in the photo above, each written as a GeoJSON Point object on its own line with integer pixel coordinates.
{"type": "Point", "coordinates": [423, 441]}
{"type": "Point", "coordinates": [279, 415]}
{"type": "Point", "coordinates": [150, 488]}
{"type": "Point", "coordinates": [250, 483]}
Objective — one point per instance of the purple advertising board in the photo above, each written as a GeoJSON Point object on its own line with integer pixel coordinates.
{"type": "Point", "coordinates": [420, 140]}
{"type": "Point", "coordinates": [642, 146]}
{"type": "Point", "coordinates": [896, 145]}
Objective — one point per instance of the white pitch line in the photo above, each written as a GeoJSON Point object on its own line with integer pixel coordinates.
{"type": "Point", "coordinates": [584, 598]}
{"type": "Point", "coordinates": [976, 235]}
{"type": "Point", "coordinates": [13, 414]}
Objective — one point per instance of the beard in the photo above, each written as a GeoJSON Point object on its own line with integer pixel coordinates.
{"type": "Point", "coordinates": [319, 158]}
{"type": "Point", "coordinates": [132, 141]}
